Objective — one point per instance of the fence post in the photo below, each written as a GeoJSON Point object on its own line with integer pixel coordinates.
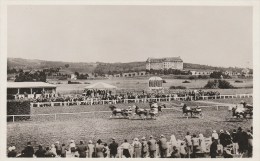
{"type": "Point", "coordinates": [55, 116]}
{"type": "Point", "coordinates": [13, 118]}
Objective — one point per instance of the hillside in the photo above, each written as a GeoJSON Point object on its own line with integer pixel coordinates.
{"type": "Point", "coordinates": [82, 67]}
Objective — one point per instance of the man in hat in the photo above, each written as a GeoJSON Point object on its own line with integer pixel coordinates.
{"type": "Point", "coordinates": [40, 153]}
{"type": "Point", "coordinates": [222, 138]}
{"type": "Point", "coordinates": [152, 147]}
{"type": "Point", "coordinates": [188, 143]}
{"type": "Point", "coordinates": [213, 148]}
{"type": "Point", "coordinates": [242, 140]}
{"type": "Point", "coordinates": [82, 149]}
{"type": "Point", "coordinates": [163, 146]}
{"type": "Point", "coordinates": [144, 148]}
{"type": "Point", "coordinates": [28, 151]}
{"type": "Point", "coordinates": [113, 148]}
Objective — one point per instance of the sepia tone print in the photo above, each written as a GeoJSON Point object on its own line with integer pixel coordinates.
{"type": "Point", "coordinates": [122, 81]}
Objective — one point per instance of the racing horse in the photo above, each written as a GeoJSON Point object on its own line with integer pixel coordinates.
{"type": "Point", "coordinates": [242, 110]}
{"type": "Point", "coordinates": [152, 112]}
{"type": "Point", "coordinates": [194, 112]}
{"type": "Point", "coordinates": [123, 112]}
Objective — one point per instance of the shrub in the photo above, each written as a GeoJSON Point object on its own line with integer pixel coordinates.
{"type": "Point", "coordinates": [17, 107]}
{"type": "Point", "coordinates": [70, 82]}
{"type": "Point", "coordinates": [222, 84]}
{"type": "Point", "coordinates": [191, 78]}
{"type": "Point", "coordinates": [203, 77]}
{"type": "Point", "coordinates": [177, 87]}
{"type": "Point", "coordinates": [186, 81]}
{"type": "Point", "coordinates": [238, 81]}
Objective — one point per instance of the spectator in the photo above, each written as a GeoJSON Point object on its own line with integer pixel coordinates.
{"type": "Point", "coordinates": [152, 147]}
{"type": "Point", "coordinates": [175, 152]}
{"type": "Point", "coordinates": [40, 153]}
{"type": "Point", "coordinates": [53, 149]}
{"type": "Point", "coordinates": [202, 143]}
{"type": "Point", "coordinates": [90, 149]}
{"type": "Point", "coordinates": [137, 148]}
{"type": "Point", "coordinates": [235, 141]}
{"type": "Point", "coordinates": [72, 147]}
{"type": "Point", "coordinates": [106, 150]}
{"type": "Point", "coordinates": [214, 135]}
{"type": "Point", "coordinates": [99, 149]}
{"type": "Point", "coordinates": [220, 148]}
{"type": "Point", "coordinates": [195, 145]}
{"type": "Point", "coordinates": [183, 152]}
{"type": "Point", "coordinates": [113, 148]}
{"type": "Point", "coordinates": [222, 138]}
{"type": "Point", "coordinates": [242, 140]}
{"type": "Point", "coordinates": [58, 148]}
{"type": "Point", "coordinates": [82, 149]}
{"type": "Point", "coordinates": [63, 151]}
{"type": "Point", "coordinates": [144, 149]}
{"type": "Point", "coordinates": [12, 153]}
{"type": "Point", "coordinates": [163, 146]}
{"type": "Point", "coordinates": [213, 148]}
{"type": "Point", "coordinates": [28, 151]}
{"type": "Point", "coordinates": [173, 142]}
{"type": "Point", "coordinates": [250, 143]}
{"type": "Point", "coordinates": [228, 139]}
{"type": "Point", "coordinates": [49, 153]}
{"type": "Point", "coordinates": [188, 143]}
{"type": "Point", "coordinates": [126, 147]}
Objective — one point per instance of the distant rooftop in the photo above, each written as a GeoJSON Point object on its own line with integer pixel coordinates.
{"type": "Point", "coordinates": [29, 85]}
{"type": "Point", "coordinates": [166, 59]}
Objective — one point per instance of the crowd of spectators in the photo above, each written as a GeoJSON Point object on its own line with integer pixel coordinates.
{"type": "Point", "coordinates": [106, 95]}
{"type": "Point", "coordinates": [225, 144]}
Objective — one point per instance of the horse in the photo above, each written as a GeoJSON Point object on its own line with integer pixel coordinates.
{"type": "Point", "coordinates": [193, 111]}
{"type": "Point", "coordinates": [140, 112]}
{"type": "Point", "coordinates": [155, 108]}
{"type": "Point", "coordinates": [123, 112]}
{"type": "Point", "coordinates": [242, 110]}
{"type": "Point", "coordinates": [152, 112]}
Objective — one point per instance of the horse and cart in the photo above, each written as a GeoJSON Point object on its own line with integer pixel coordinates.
{"type": "Point", "coordinates": [240, 112]}
{"type": "Point", "coordinates": [195, 112]}
{"type": "Point", "coordinates": [136, 112]}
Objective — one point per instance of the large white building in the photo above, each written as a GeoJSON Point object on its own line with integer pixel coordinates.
{"type": "Point", "coordinates": [164, 63]}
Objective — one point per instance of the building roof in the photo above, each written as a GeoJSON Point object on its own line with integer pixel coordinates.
{"type": "Point", "coordinates": [29, 85]}
{"type": "Point", "coordinates": [155, 78]}
{"type": "Point", "coordinates": [168, 59]}
{"type": "Point", "coordinates": [100, 85]}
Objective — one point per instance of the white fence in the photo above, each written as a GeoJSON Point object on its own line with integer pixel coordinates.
{"type": "Point", "coordinates": [142, 100]}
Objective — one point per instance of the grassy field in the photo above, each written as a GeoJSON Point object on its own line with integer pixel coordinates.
{"type": "Point", "coordinates": [142, 84]}
{"type": "Point", "coordinates": [95, 126]}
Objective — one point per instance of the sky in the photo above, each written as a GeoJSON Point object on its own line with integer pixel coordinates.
{"type": "Point", "coordinates": [209, 35]}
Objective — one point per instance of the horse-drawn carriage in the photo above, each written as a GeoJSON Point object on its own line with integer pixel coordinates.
{"type": "Point", "coordinates": [195, 112]}
{"type": "Point", "coordinates": [240, 112]}
{"type": "Point", "coordinates": [136, 112]}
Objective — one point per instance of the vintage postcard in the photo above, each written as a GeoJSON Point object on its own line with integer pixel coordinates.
{"type": "Point", "coordinates": [122, 79]}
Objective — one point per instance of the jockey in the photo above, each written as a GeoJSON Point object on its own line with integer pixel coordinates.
{"type": "Point", "coordinates": [197, 108]}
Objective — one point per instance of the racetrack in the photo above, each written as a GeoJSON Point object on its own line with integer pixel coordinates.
{"type": "Point", "coordinates": [98, 126]}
